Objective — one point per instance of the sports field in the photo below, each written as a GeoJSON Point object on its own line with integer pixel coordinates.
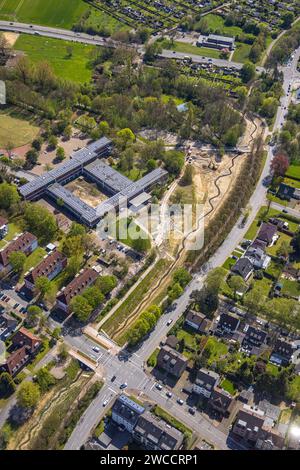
{"type": "Point", "coordinates": [74, 66]}
{"type": "Point", "coordinates": [60, 13]}
{"type": "Point", "coordinates": [15, 131]}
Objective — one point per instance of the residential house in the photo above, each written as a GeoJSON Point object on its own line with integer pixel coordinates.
{"type": "Point", "coordinates": [205, 382]}
{"type": "Point", "coordinates": [270, 439]}
{"type": "Point", "coordinates": [228, 323]}
{"type": "Point", "coordinates": [26, 345]}
{"type": "Point", "coordinates": [221, 401]}
{"type": "Point", "coordinates": [248, 426]}
{"type": "Point", "coordinates": [125, 412]}
{"type": "Point", "coordinates": [254, 336]}
{"type": "Point", "coordinates": [172, 341]}
{"type": "Point", "coordinates": [288, 192]}
{"type": "Point", "coordinates": [243, 267]}
{"type": "Point", "coordinates": [258, 258]}
{"type": "Point", "coordinates": [171, 361]}
{"type": "Point", "coordinates": [26, 243]}
{"type": "Point", "coordinates": [3, 227]}
{"type": "Point", "coordinates": [155, 434]}
{"type": "Point", "coordinates": [197, 321]}
{"type": "Point", "coordinates": [282, 352]}
{"type": "Point", "coordinates": [16, 361]}
{"type": "Point", "coordinates": [24, 337]}
{"type": "Point", "coordinates": [49, 267]}
{"type": "Point", "coordinates": [8, 325]}
{"type": "Point", "coordinates": [84, 279]}
{"type": "Point", "coordinates": [259, 244]}
{"type": "Point", "coordinates": [267, 233]}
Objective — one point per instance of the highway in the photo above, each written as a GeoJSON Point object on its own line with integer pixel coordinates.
{"type": "Point", "coordinates": [132, 371]}
{"type": "Point", "coordinates": [67, 35]}
{"type": "Point", "coordinates": [56, 33]}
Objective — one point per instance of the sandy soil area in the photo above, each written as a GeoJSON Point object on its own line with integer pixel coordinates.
{"type": "Point", "coordinates": [11, 38]}
{"type": "Point", "coordinates": [88, 192]}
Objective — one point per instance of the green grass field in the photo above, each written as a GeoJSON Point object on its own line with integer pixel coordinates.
{"type": "Point", "coordinates": [293, 171]}
{"type": "Point", "coordinates": [75, 67]}
{"type": "Point", "coordinates": [190, 49]}
{"type": "Point", "coordinates": [16, 131]}
{"type": "Point", "coordinates": [216, 23]}
{"type": "Point", "coordinates": [60, 13]}
{"type": "Point", "coordinates": [241, 53]}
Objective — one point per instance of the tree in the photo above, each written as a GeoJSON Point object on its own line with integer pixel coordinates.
{"type": "Point", "coordinates": [174, 162]}
{"type": "Point", "coordinates": [125, 136]}
{"type": "Point", "coordinates": [8, 196]}
{"type": "Point", "coordinates": [214, 280]}
{"type": "Point", "coordinates": [43, 285]}
{"type": "Point", "coordinates": [287, 19]}
{"type": "Point", "coordinates": [28, 395]}
{"type": "Point", "coordinates": [44, 379]}
{"type": "Point", "coordinates": [182, 276]}
{"type": "Point", "coordinates": [284, 250]}
{"type": "Point", "coordinates": [248, 72]}
{"type": "Point", "coordinates": [17, 260]}
{"type": "Point", "coordinates": [237, 284]}
{"type": "Point", "coordinates": [254, 299]}
{"type": "Point", "coordinates": [37, 144]}
{"type": "Point", "coordinates": [7, 385]}
{"type": "Point", "coordinates": [40, 221]}
{"type": "Point", "coordinates": [279, 165]}
{"type": "Point", "coordinates": [187, 178]}
{"type": "Point", "coordinates": [94, 296]}
{"type": "Point", "coordinates": [106, 284]}
{"type": "Point", "coordinates": [141, 244]}
{"type": "Point", "coordinates": [76, 230]}
{"type": "Point", "coordinates": [34, 313]}
{"type": "Point", "coordinates": [73, 246]}
{"type": "Point", "coordinates": [174, 292]}
{"type": "Point", "coordinates": [60, 154]}
{"type": "Point", "coordinates": [52, 142]}
{"type": "Point", "coordinates": [31, 158]}
{"type": "Point", "coordinates": [81, 308]}
{"type": "Point", "coordinates": [152, 51]}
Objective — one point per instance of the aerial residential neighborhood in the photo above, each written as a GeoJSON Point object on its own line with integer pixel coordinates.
{"type": "Point", "coordinates": [149, 228]}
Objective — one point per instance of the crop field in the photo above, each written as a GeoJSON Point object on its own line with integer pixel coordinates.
{"type": "Point", "coordinates": [60, 13]}
{"type": "Point", "coordinates": [68, 60]}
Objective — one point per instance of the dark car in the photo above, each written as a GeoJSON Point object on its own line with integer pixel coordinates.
{"type": "Point", "coordinates": [192, 411]}
{"type": "Point", "coordinates": [113, 378]}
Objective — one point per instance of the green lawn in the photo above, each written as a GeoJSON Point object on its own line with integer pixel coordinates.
{"type": "Point", "coordinates": [271, 213]}
{"type": "Point", "coordinates": [60, 13]}
{"type": "Point", "coordinates": [76, 67]}
{"type": "Point", "coordinates": [216, 349]}
{"type": "Point", "coordinates": [101, 22]}
{"type": "Point", "coordinates": [272, 369]}
{"type": "Point", "coordinates": [228, 386]}
{"type": "Point", "coordinates": [152, 360]}
{"type": "Point", "coordinates": [126, 234]}
{"type": "Point", "coordinates": [241, 53]}
{"type": "Point", "coordinates": [292, 182]}
{"type": "Point", "coordinates": [16, 131]}
{"type": "Point", "coordinates": [293, 171]}
{"type": "Point", "coordinates": [274, 269]}
{"type": "Point", "coordinates": [33, 259]}
{"type": "Point", "coordinates": [216, 23]}
{"type": "Point", "coordinates": [13, 229]}
{"type": "Point", "coordinates": [190, 49]}
{"type": "Point", "coordinates": [190, 338]}
{"type": "Point", "coordinates": [290, 288]}
{"type": "Point", "coordinates": [271, 250]}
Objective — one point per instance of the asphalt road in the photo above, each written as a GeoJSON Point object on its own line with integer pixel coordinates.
{"type": "Point", "coordinates": [56, 33]}
{"type": "Point", "coordinates": [168, 54]}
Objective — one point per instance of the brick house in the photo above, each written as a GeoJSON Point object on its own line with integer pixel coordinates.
{"type": "Point", "coordinates": [82, 281]}
{"type": "Point", "coordinates": [49, 267]}
{"type": "Point", "coordinates": [26, 243]}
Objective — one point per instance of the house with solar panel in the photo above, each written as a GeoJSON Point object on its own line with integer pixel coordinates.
{"type": "Point", "coordinates": [87, 163]}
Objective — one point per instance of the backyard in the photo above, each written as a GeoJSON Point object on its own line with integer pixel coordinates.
{"type": "Point", "coordinates": [14, 130]}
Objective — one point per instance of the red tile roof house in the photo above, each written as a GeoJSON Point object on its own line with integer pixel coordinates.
{"type": "Point", "coordinates": [3, 227]}
{"type": "Point", "coordinates": [27, 345]}
{"type": "Point", "coordinates": [26, 242]}
{"type": "Point", "coordinates": [81, 282]}
{"type": "Point", "coordinates": [49, 267]}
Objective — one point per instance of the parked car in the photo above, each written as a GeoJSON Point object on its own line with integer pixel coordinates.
{"type": "Point", "coordinates": [192, 411]}
{"type": "Point", "coordinates": [169, 394]}
{"type": "Point", "coordinates": [124, 385]}
{"type": "Point", "coordinates": [96, 349]}
{"type": "Point", "coordinates": [158, 386]}
{"type": "Point", "coordinates": [105, 402]}
{"type": "Point", "coordinates": [113, 378]}
{"type": "Point", "coordinates": [179, 401]}
{"type": "Point", "coordinates": [169, 322]}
